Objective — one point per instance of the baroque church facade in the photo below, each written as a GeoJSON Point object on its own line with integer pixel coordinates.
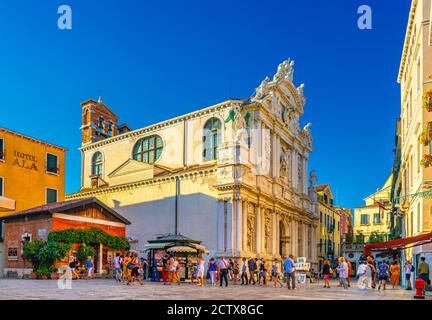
{"type": "Point", "coordinates": [233, 175]}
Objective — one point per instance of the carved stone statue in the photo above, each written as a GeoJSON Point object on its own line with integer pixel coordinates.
{"type": "Point", "coordinates": [300, 91]}
{"type": "Point", "coordinates": [311, 190]}
{"type": "Point", "coordinates": [289, 69]}
{"type": "Point", "coordinates": [267, 229]}
{"type": "Point", "coordinates": [306, 134]}
{"type": "Point", "coordinates": [250, 227]}
{"type": "Point", "coordinates": [262, 90]}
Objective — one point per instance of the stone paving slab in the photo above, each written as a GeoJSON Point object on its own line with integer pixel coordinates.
{"type": "Point", "coordinates": [107, 289]}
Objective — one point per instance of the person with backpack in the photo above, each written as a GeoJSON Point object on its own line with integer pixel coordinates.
{"type": "Point", "coordinates": [409, 269]}
{"type": "Point", "coordinates": [244, 272]}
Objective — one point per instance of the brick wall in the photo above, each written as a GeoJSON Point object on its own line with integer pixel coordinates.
{"type": "Point", "coordinates": [13, 231]}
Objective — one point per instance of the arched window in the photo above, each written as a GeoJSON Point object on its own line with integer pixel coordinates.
{"type": "Point", "coordinates": [97, 162]}
{"type": "Point", "coordinates": [211, 139]}
{"type": "Point", "coordinates": [148, 149]}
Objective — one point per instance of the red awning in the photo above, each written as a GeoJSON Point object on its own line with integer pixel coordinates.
{"type": "Point", "coordinates": [399, 243]}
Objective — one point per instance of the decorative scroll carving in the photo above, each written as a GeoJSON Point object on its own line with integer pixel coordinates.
{"type": "Point", "coordinates": [250, 227]}
{"type": "Point", "coordinates": [267, 229]}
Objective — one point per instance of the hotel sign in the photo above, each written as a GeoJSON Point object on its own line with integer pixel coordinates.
{"type": "Point", "coordinates": [26, 161]}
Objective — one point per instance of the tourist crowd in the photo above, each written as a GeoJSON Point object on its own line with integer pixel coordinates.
{"type": "Point", "coordinates": [130, 268]}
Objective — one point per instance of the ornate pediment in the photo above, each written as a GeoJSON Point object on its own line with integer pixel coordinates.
{"type": "Point", "coordinates": [133, 171]}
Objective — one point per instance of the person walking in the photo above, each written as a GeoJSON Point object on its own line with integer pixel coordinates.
{"type": "Point", "coordinates": [134, 267]}
{"type": "Point", "coordinates": [395, 274]}
{"type": "Point", "coordinates": [383, 273]}
{"type": "Point", "coordinates": [89, 267]}
{"type": "Point", "coordinates": [244, 272]}
{"type": "Point", "coordinates": [223, 266]}
{"type": "Point", "coordinates": [212, 267]}
{"type": "Point", "coordinates": [409, 269]}
{"type": "Point", "coordinates": [289, 270]}
{"type": "Point", "coordinates": [165, 268]}
{"type": "Point", "coordinates": [176, 271]}
{"type": "Point", "coordinates": [126, 270]}
{"type": "Point", "coordinates": [262, 273]}
{"type": "Point", "coordinates": [363, 280]}
{"type": "Point", "coordinates": [145, 268]}
{"type": "Point", "coordinates": [349, 272]}
{"type": "Point", "coordinates": [371, 265]}
{"type": "Point", "coordinates": [276, 273]}
{"type": "Point", "coordinates": [252, 267]}
{"type": "Point", "coordinates": [423, 270]}
{"type": "Point", "coordinates": [326, 272]}
{"type": "Point", "coordinates": [73, 264]}
{"type": "Point", "coordinates": [200, 271]}
{"type": "Point", "coordinates": [118, 267]}
{"type": "Point", "coordinates": [171, 269]}
{"type": "Point", "coordinates": [343, 272]}
{"type": "Point", "coordinates": [236, 271]}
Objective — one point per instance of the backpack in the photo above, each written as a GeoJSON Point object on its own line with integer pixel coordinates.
{"type": "Point", "coordinates": [412, 268]}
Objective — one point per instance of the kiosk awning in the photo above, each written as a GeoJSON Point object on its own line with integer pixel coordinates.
{"type": "Point", "coordinates": [399, 243]}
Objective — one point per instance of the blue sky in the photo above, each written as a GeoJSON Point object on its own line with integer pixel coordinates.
{"type": "Point", "coordinates": [156, 60]}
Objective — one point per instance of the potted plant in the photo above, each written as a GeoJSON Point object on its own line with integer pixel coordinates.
{"type": "Point", "coordinates": [427, 100]}
{"type": "Point", "coordinates": [424, 138]}
{"type": "Point", "coordinates": [426, 161]}
{"type": "Point", "coordinates": [44, 272]}
{"type": "Point", "coordinates": [30, 253]}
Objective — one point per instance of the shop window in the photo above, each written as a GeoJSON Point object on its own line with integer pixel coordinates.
{"type": "Point", "coordinates": [51, 195]}
{"type": "Point", "coordinates": [52, 163]}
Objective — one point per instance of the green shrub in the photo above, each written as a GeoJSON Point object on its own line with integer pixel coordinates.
{"type": "Point", "coordinates": [93, 236]}
{"type": "Point", "coordinates": [84, 252]}
{"type": "Point", "coordinates": [30, 252]}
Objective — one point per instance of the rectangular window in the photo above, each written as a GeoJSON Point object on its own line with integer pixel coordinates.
{"type": "Point", "coordinates": [320, 217]}
{"type": "Point", "coordinates": [110, 130]}
{"type": "Point", "coordinates": [2, 151]}
{"type": "Point", "coordinates": [1, 187]}
{"type": "Point", "coordinates": [13, 253]}
{"type": "Point", "coordinates": [51, 195]}
{"type": "Point", "coordinates": [364, 219]}
{"type": "Point", "coordinates": [52, 163]}
{"type": "Point", "coordinates": [320, 245]}
{"type": "Point", "coordinates": [1, 231]}
{"type": "Point", "coordinates": [377, 218]}
{"type": "Point", "coordinates": [100, 125]}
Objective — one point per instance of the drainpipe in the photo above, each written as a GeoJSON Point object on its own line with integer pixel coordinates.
{"type": "Point", "coordinates": [177, 204]}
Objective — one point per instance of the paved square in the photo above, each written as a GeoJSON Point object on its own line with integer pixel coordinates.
{"type": "Point", "coordinates": [107, 289]}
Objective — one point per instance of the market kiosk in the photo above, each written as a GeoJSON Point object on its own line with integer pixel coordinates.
{"type": "Point", "coordinates": [180, 246]}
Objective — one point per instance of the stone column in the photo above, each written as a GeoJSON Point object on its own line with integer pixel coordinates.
{"type": "Point", "coordinates": [294, 238]}
{"type": "Point", "coordinates": [100, 257]}
{"type": "Point", "coordinates": [294, 178]}
{"type": "Point", "coordinates": [258, 229]}
{"type": "Point", "coordinates": [220, 226]}
{"type": "Point", "coordinates": [244, 222]}
{"type": "Point", "coordinates": [238, 227]}
{"type": "Point", "coordinates": [305, 175]}
{"type": "Point", "coordinates": [305, 240]}
{"type": "Point", "coordinates": [229, 223]}
{"type": "Point", "coordinates": [275, 228]}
